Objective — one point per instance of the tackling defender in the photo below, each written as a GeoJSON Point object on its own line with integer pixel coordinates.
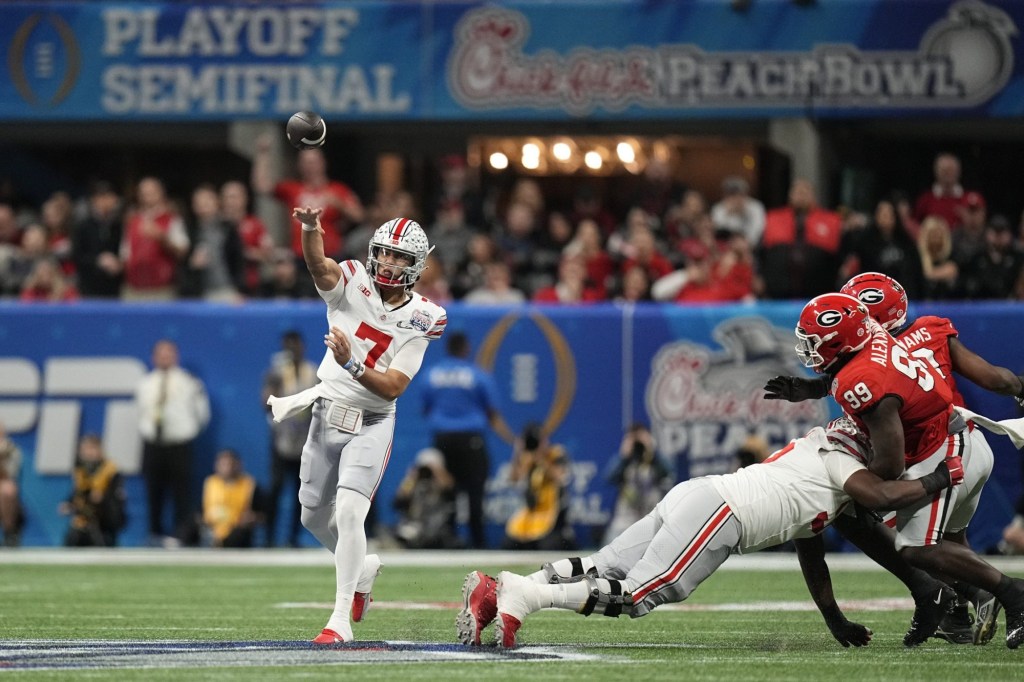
{"type": "Point", "coordinates": [933, 340]}
{"type": "Point", "coordinates": [378, 335]}
{"type": "Point", "coordinates": [663, 557]}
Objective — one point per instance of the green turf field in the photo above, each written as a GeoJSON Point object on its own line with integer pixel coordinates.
{"type": "Point", "coordinates": [244, 603]}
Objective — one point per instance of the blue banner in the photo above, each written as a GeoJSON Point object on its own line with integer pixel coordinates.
{"type": "Point", "coordinates": [694, 374]}
{"type": "Point", "coordinates": [546, 60]}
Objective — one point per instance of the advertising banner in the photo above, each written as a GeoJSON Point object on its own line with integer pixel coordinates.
{"type": "Point", "coordinates": [692, 374]}
{"type": "Point", "coordinates": [399, 61]}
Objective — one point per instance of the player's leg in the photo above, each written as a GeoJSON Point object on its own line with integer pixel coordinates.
{"type": "Point", "coordinates": [919, 540]}
{"type": "Point", "coordinates": [697, 533]}
{"type": "Point", "coordinates": [318, 479]}
{"type": "Point", "coordinates": [362, 464]}
{"type": "Point", "coordinates": [615, 559]}
{"type": "Point", "coordinates": [877, 541]}
{"type": "Point", "coordinates": [958, 626]}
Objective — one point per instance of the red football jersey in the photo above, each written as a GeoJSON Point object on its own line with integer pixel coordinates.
{"type": "Point", "coordinates": [885, 368]}
{"type": "Point", "coordinates": [927, 339]}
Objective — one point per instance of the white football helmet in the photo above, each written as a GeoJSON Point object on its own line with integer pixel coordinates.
{"type": "Point", "coordinates": [406, 237]}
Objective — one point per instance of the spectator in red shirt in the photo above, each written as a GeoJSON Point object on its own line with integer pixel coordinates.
{"type": "Point", "coordinates": [641, 249]}
{"type": "Point", "coordinates": [342, 208]}
{"type": "Point", "coordinates": [800, 249]}
{"type": "Point", "coordinates": [47, 284]}
{"type": "Point", "coordinates": [716, 270]}
{"type": "Point", "coordinates": [572, 285]}
{"type": "Point", "coordinates": [257, 244]}
{"type": "Point", "coordinates": [153, 244]}
{"type": "Point", "coordinates": [946, 198]}
{"type": "Point", "coordinates": [588, 243]}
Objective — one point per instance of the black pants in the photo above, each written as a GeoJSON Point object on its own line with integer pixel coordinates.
{"type": "Point", "coordinates": [167, 470]}
{"type": "Point", "coordinates": [465, 457]}
{"type": "Point", "coordinates": [283, 473]}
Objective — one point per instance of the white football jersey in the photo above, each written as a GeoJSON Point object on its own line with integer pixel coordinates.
{"type": "Point", "coordinates": [796, 492]}
{"type": "Point", "coordinates": [376, 334]}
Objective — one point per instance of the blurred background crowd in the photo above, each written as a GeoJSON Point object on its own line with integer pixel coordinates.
{"type": "Point", "coordinates": [511, 241]}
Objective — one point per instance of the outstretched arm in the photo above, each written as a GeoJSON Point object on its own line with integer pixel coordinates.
{"type": "Point", "coordinates": [326, 271]}
{"type": "Point", "coordinates": [874, 493]}
{"type": "Point", "coordinates": [990, 377]}
{"type": "Point", "coordinates": [811, 553]}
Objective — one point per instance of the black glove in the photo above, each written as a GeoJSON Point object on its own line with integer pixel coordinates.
{"type": "Point", "coordinates": [847, 632]}
{"type": "Point", "coordinates": [866, 517]}
{"type": "Point", "coordinates": [796, 389]}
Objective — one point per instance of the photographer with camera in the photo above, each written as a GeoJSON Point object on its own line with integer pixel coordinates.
{"type": "Point", "coordinates": [97, 503]}
{"type": "Point", "coordinates": [542, 522]}
{"type": "Point", "coordinates": [425, 502]}
{"type": "Point", "coordinates": [641, 477]}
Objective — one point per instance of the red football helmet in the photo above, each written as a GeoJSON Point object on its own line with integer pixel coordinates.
{"type": "Point", "coordinates": [885, 298]}
{"type": "Point", "coordinates": [831, 325]}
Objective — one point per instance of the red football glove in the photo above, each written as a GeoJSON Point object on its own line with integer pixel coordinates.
{"type": "Point", "coordinates": [955, 465]}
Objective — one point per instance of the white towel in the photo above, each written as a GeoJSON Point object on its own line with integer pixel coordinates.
{"type": "Point", "coordinates": [1014, 428]}
{"type": "Point", "coordinates": [291, 405]}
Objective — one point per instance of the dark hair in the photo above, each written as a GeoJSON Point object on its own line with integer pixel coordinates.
{"type": "Point", "coordinates": [532, 436]}
{"type": "Point", "coordinates": [458, 344]}
{"type": "Point", "coordinates": [291, 335]}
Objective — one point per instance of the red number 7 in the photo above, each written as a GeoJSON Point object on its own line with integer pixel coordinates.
{"type": "Point", "coordinates": [381, 341]}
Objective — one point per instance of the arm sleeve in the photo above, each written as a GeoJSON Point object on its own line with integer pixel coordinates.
{"type": "Point", "coordinates": [409, 357]}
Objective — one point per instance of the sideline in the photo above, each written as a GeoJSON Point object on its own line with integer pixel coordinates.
{"type": "Point", "coordinates": [763, 561]}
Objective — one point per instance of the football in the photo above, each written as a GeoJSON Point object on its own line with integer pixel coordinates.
{"type": "Point", "coordinates": [306, 130]}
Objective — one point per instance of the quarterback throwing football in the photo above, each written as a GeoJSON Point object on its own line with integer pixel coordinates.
{"type": "Point", "coordinates": [378, 333]}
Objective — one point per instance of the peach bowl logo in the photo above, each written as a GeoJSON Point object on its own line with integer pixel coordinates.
{"type": "Point", "coordinates": [963, 60]}
{"type": "Point", "coordinates": [44, 60]}
{"type": "Point", "coordinates": [705, 402]}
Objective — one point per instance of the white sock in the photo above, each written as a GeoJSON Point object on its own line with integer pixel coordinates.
{"type": "Point", "coordinates": [538, 577]}
{"type": "Point", "coordinates": [350, 511]}
{"type": "Point", "coordinates": [571, 596]}
{"type": "Point", "coordinates": [371, 567]}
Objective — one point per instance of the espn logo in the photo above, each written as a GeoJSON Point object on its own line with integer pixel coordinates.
{"type": "Point", "coordinates": [51, 404]}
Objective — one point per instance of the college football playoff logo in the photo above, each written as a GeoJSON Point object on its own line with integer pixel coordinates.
{"type": "Point", "coordinates": [44, 60]}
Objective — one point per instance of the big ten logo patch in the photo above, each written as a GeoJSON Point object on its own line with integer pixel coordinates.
{"type": "Point", "coordinates": [705, 402]}
{"type": "Point", "coordinates": [55, 402]}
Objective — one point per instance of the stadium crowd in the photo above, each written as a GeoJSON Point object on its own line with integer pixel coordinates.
{"type": "Point", "coordinates": [670, 243]}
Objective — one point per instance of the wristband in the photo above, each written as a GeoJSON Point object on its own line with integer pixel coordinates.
{"type": "Point", "coordinates": [936, 480]}
{"type": "Point", "coordinates": [354, 367]}
{"type": "Point", "coordinates": [308, 228]}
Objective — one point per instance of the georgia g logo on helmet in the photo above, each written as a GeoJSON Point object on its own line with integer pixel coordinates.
{"type": "Point", "coordinates": [829, 318]}
{"type": "Point", "coordinates": [871, 296]}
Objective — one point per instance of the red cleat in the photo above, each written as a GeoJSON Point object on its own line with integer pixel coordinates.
{"type": "Point", "coordinates": [328, 637]}
{"type": "Point", "coordinates": [479, 606]}
{"type": "Point", "coordinates": [505, 629]}
{"type": "Point", "coordinates": [360, 605]}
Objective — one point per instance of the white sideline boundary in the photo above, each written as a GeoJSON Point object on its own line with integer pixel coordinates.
{"type": "Point", "coordinates": [764, 561]}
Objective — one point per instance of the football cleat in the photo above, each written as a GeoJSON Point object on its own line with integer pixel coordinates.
{"type": "Point", "coordinates": [361, 599]}
{"type": "Point", "coordinates": [505, 629]}
{"type": "Point", "coordinates": [986, 617]}
{"type": "Point", "coordinates": [328, 636]}
{"type": "Point", "coordinates": [516, 600]}
{"type": "Point", "coordinates": [928, 614]}
{"type": "Point", "coordinates": [479, 606]}
{"type": "Point", "coordinates": [1014, 628]}
{"type": "Point", "coordinates": [957, 626]}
